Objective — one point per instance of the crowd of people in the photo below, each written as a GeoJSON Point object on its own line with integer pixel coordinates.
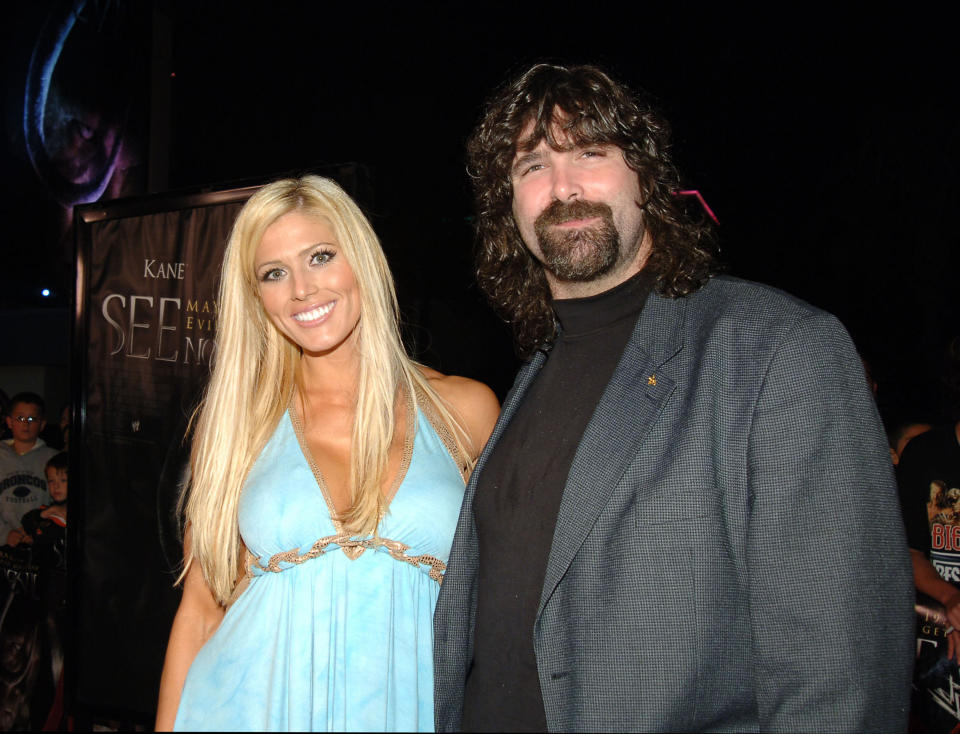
{"type": "Point", "coordinates": [34, 475]}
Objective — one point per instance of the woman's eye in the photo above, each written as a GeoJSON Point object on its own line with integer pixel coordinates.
{"type": "Point", "coordinates": [272, 274]}
{"type": "Point", "coordinates": [321, 257]}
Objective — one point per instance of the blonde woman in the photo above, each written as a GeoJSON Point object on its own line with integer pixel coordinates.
{"type": "Point", "coordinates": [327, 476]}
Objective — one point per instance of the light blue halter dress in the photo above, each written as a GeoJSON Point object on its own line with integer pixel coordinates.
{"type": "Point", "coordinates": [331, 633]}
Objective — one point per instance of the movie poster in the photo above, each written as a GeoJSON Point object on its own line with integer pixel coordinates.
{"type": "Point", "coordinates": [149, 291]}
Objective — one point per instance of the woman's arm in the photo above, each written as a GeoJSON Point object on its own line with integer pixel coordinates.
{"type": "Point", "coordinates": [198, 617]}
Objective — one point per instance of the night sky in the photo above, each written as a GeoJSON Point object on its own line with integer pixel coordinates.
{"type": "Point", "coordinates": [823, 138]}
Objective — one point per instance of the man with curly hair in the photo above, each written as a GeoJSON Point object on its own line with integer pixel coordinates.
{"type": "Point", "coordinates": [685, 518]}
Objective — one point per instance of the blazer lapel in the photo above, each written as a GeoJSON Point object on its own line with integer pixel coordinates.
{"type": "Point", "coordinates": [630, 405]}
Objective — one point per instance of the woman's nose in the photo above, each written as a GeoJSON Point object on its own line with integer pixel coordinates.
{"type": "Point", "coordinates": [302, 286]}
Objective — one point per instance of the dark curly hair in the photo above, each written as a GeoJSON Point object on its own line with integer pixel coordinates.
{"type": "Point", "coordinates": [580, 105]}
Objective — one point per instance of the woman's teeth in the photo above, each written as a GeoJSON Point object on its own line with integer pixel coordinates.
{"type": "Point", "coordinates": [315, 313]}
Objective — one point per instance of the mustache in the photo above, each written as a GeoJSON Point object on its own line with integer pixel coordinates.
{"type": "Point", "coordinates": [558, 212]}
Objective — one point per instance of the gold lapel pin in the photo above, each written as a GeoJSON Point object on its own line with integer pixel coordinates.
{"type": "Point", "coordinates": [652, 380]}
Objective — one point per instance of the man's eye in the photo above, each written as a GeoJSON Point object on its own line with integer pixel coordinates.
{"type": "Point", "coordinates": [593, 153]}
{"type": "Point", "coordinates": [531, 169]}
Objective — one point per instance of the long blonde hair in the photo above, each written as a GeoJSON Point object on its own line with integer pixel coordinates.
{"type": "Point", "coordinates": [255, 371]}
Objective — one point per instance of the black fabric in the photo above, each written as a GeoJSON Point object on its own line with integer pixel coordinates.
{"type": "Point", "coordinates": [929, 479]}
{"type": "Point", "coordinates": [518, 497]}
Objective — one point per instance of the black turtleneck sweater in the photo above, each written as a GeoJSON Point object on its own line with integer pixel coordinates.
{"type": "Point", "coordinates": [518, 497]}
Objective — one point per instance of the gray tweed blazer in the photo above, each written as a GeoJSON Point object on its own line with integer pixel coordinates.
{"type": "Point", "coordinates": [729, 553]}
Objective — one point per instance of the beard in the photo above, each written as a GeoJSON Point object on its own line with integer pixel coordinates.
{"type": "Point", "coordinates": [580, 254]}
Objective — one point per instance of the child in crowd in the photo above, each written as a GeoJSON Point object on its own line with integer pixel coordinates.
{"type": "Point", "coordinates": [23, 459]}
{"type": "Point", "coordinates": [44, 529]}
{"type": "Point", "coordinates": [46, 525]}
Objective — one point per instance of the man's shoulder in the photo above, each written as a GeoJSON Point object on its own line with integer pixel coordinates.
{"type": "Point", "coordinates": [746, 309]}
{"type": "Point", "coordinates": [747, 298]}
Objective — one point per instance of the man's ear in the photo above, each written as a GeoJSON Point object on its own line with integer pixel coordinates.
{"type": "Point", "coordinates": [9, 421]}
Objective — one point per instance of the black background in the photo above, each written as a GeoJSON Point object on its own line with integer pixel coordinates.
{"type": "Point", "coordinates": [822, 136]}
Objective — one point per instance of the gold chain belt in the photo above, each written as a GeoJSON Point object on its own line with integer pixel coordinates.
{"type": "Point", "coordinates": [353, 548]}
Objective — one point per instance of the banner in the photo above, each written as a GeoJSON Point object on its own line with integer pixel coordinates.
{"type": "Point", "coordinates": [147, 313]}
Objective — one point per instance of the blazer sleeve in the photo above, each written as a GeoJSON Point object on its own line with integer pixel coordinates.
{"type": "Point", "coordinates": [831, 588]}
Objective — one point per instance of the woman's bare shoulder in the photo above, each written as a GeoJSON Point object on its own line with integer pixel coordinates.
{"type": "Point", "coordinates": [463, 393]}
{"type": "Point", "coordinates": [475, 403]}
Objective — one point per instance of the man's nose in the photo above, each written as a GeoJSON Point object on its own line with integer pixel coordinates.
{"type": "Point", "coordinates": [566, 182]}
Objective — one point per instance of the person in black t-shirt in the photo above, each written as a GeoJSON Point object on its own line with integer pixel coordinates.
{"type": "Point", "coordinates": [929, 478]}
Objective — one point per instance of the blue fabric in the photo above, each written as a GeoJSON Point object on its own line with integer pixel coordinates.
{"type": "Point", "coordinates": [332, 644]}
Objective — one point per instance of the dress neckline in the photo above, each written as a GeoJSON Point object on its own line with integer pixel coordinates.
{"type": "Point", "coordinates": [406, 455]}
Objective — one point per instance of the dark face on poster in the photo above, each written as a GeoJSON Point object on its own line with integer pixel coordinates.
{"type": "Point", "coordinates": [150, 308]}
